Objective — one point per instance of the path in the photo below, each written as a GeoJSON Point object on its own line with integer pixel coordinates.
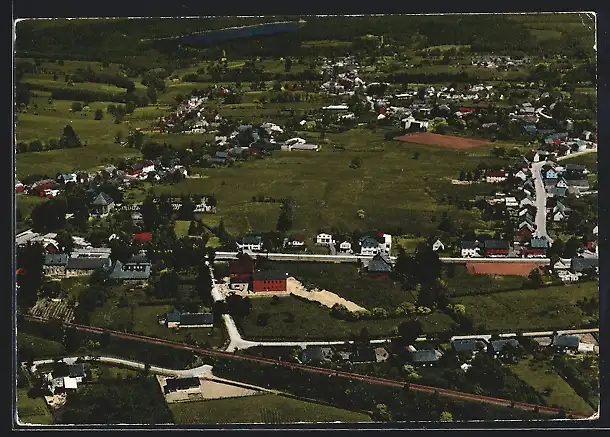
{"type": "Point", "coordinates": [540, 202]}
{"type": "Point", "coordinates": [572, 155]}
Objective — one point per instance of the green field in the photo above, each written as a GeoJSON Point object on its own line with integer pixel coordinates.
{"type": "Point", "coordinates": [32, 410]}
{"type": "Point", "coordinates": [41, 347]}
{"type": "Point", "coordinates": [589, 160]}
{"type": "Point", "coordinates": [26, 203]}
{"type": "Point", "coordinates": [548, 308]}
{"type": "Point", "coordinates": [292, 319]}
{"type": "Point", "coordinates": [391, 187]}
{"type": "Point", "coordinates": [460, 283]}
{"type": "Point", "coordinates": [181, 227]}
{"type": "Point", "coordinates": [266, 408]}
{"type": "Point", "coordinates": [541, 376]}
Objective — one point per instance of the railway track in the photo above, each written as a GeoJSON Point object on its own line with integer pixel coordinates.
{"type": "Point", "coordinates": [348, 375]}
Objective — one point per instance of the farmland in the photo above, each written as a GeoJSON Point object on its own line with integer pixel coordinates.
{"type": "Point", "coordinates": [546, 308]}
{"type": "Point", "coordinates": [290, 318]}
{"type": "Point", "coordinates": [268, 408]}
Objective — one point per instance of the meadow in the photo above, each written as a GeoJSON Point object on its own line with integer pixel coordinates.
{"type": "Point", "coordinates": [290, 319]}
{"type": "Point", "coordinates": [547, 308]}
{"type": "Point", "coordinates": [266, 408]}
{"type": "Point", "coordinates": [32, 410]}
{"type": "Point", "coordinates": [589, 160]}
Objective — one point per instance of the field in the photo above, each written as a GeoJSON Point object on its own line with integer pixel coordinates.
{"type": "Point", "coordinates": [260, 409]}
{"type": "Point", "coordinates": [512, 269]}
{"type": "Point", "coordinates": [392, 188]}
{"type": "Point", "coordinates": [448, 141]}
{"type": "Point", "coordinates": [589, 160]}
{"type": "Point", "coordinates": [542, 377]}
{"type": "Point", "coordinates": [26, 204]}
{"type": "Point", "coordinates": [32, 410]}
{"type": "Point", "coordinates": [292, 319]}
{"type": "Point", "coordinates": [40, 347]}
{"type": "Point", "coordinates": [182, 228]}
{"type": "Point", "coordinates": [547, 308]}
{"type": "Point", "coordinates": [460, 283]}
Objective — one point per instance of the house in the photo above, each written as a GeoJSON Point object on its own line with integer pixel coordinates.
{"type": "Point", "coordinates": [55, 264]}
{"type": "Point", "coordinates": [530, 128]}
{"type": "Point", "coordinates": [438, 245]}
{"type": "Point", "coordinates": [470, 249]}
{"type": "Point", "coordinates": [575, 168]}
{"type": "Point", "coordinates": [511, 202]}
{"type": "Point", "coordinates": [551, 174]}
{"type": "Point", "coordinates": [500, 348]}
{"type": "Point", "coordinates": [561, 183]}
{"type": "Point", "coordinates": [379, 267]}
{"type": "Point", "coordinates": [568, 276]}
{"type": "Point", "coordinates": [565, 342]}
{"type": "Point", "coordinates": [537, 247]}
{"type": "Point", "coordinates": [178, 384]}
{"type": "Point", "coordinates": [521, 175]}
{"type": "Point", "coordinates": [577, 186]}
{"type": "Point", "coordinates": [142, 237]}
{"type": "Point", "coordinates": [83, 264]}
{"type": "Point", "coordinates": [363, 354]}
{"type": "Point", "coordinates": [45, 184]}
{"type": "Point", "coordinates": [316, 355]}
{"type": "Point", "coordinates": [345, 247]}
{"type": "Point", "coordinates": [494, 177]}
{"type": "Point", "coordinates": [324, 239]}
{"type": "Point", "coordinates": [526, 201]}
{"type": "Point", "coordinates": [241, 269]}
{"type": "Point", "coordinates": [495, 248]}
{"type": "Point", "coordinates": [560, 264]}
{"type": "Point", "coordinates": [269, 280]}
{"type": "Point", "coordinates": [252, 243]}
{"type": "Point", "coordinates": [468, 346]}
{"type": "Point", "coordinates": [425, 357]}
{"type": "Point", "coordinates": [19, 187]}
{"type": "Point", "coordinates": [178, 319]}
{"type": "Point", "coordinates": [381, 354]}
{"type": "Point", "coordinates": [141, 167]}
{"type": "Point", "coordinates": [369, 246]}
{"type": "Point", "coordinates": [557, 192]}
{"type": "Point", "coordinates": [102, 205]}
{"type": "Point", "coordinates": [299, 146]}
{"type": "Point", "coordinates": [136, 269]}
{"type": "Point", "coordinates": [295, 242]}
{"type": "Point", "coordinates": [580, 265]}
{"type": "Point", "coordinates": [66, 178]}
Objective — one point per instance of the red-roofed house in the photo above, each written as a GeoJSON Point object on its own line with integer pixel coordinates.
{"type": "Point", "coordinates": [493, 177]}
{"type": "Point", "coordinates": [20, 271]}
{"type": "Point", "coordinates": [465, 110]}
{"type": "Point", "coordinates": [143, 237]}
{"type": "Point", "coordinates": [19, 187]}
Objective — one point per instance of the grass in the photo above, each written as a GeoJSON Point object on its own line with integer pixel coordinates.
{"type": "Point", "coordinates": [590, 372]}
{"type": "Point", "coordinates": [32, 410]}
{"type": "Point", "coordinates": [292, 319]}
{"type": "Point", "coordinates": [26, 203]}
{"type": "Point", "coordinates": [181, 227]}
{"type": "Point", "coordinates": [589, 160]}
{"type": "Point", "coordinates": [214, 242]}
{"type": "Point", "coordinates": [391, 187]}
{"type": "Point", "coordinates": [460, 283]}
{"type": "Point", "coordinates": [548, 308]}
{"type": "Point", "coordinates": [346, 281]}
{"type": "Point", "coordinates": [99, 369]}
{"type": "Point", "coordinates": [41, 347]}
{"type": "Point", "coordinates": [266, 408]}
{"type": "Point", "coordinates": [541, 376]}
{"type": "Point", "coordinates": [408, 243]}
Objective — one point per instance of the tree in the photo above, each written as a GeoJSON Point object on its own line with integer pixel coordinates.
{"type": "Point", "coordinates": [203, 283]}
{"type": "Point", "coordinates": [285, 219]}
{"type": "Point", "coordinates": [446, 416]}
{"type": "Point", "coordinates": [121, 250]}
{"type": "Point", "coordinates": [65, 241]}
{"type": "Point", "coordinates": [572, 247]}
{"type": "Point", "coordinates": [287, 65]}
{"type": "Point", "coordinates": [409, 331]}
{"type": "Point", "coordinates": [151, 93]}
{"type": "Point", "coordinates": [356, 162]}
{"type": "Point", "coordinates": [462, 175]}
{"type": "Point", "coordinates": [499, 152]}
{"type": "Point", "coordinates": [428, 263]}
{"type": "Point", "coordinates": [99, 114]}
{"type": "Point", "coordinates": [535, 278]}
{"type": "Point", "coordinates": [30, 260]}
{"type": "Point", "coordinates": [69, 138]}
{"type": "Point", "coordinates": [416, 155]}
{"type": "Point", "coordinates": [76, 106]}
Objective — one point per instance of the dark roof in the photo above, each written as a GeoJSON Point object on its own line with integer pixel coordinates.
{"type": "Point", "coordinates": [55, 259]}
{"type": "Point", "coordinates": [103, 199]}
{"type": "Point", "coordinates": [196, 319]}
{"type": "Point", "coordinates": [470, 244]}
{"type": "Point", "coordinates": [499, 345]}
{"type": "Point", "coordinates": [496, 244]}
{"type": "Point", "coordinates": [131, 271]}
{"type": "Point", "coordinates": [173, 316]}
{"type": "Point", "coordinates": [251, 239]}
{"type": "Point", "coordinates": [241, 265]}
{"type": "Point", "coordinates": [86, 263]}
{"type": "Point", "coordinates": [425, 356]}
{"type": "Point", "coordinates": [369, 241]}
{"type": "Point", "coordinates": [173, 384]}
{"type": "Point", "coordinates": [541, 243]}
{"type": "Point", "coordinates": [578, 182]}
{"type": "Point", "coordinates": [577, 167]}
{"type": "Point", "coordinates": [565, 340]}
{"type": "Point", "coordinates": [579, 264]}
{"type": "Point", "coordinates": [380, 263]}
{"type": "Point", "coordinates": [363, 354]}
{"type": "Point", "coordinates": [467, 345]}
{"type": "Point", "coordinates": [316, 353]}
{"type": "Point", "coordinates": [78, 369]}
{"type": "Point", "coordinates": [269, 275]}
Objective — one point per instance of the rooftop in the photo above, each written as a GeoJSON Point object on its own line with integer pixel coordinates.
{"type": "Point", "coordinates": [269, 275]}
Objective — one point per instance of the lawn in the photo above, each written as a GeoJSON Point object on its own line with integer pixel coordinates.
{"type": "Point", "coordinates": [181, 227]}
{"type": "Point", "coordinates": [32, 410]}
{"type": "Point", "coordinates": [26, 203]}
{"type": "Point", "coordinates": [460, 283]}
{"type": "Point", "coordinates": [266, 408]}
{"type": "Point", "coordinates": [589, 160]}
{"type": "Point", "coordinates": [392, 188]}
{"type": "Point", "coordinates": [346, 281]}
{"type": "Point", "coordinates": [40, 347]}
{"type": "Point", "coordinates": [292, 319]}
{"type": "Point", "coordinates": [541, 376]}
{"type": "Point", "coordinates": [407, 242]}
{"type": "Point", "coordinates": [547, 308]}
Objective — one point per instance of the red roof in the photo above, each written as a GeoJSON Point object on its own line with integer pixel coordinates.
{"type": "Point", "coordinates": [145, 237]}
{"type": "Point", "coordinates": [556, 141]}
{"type": "Point", "coordinates": [20, 271]}
{"type": "Point", "coordinates": [465, 110]}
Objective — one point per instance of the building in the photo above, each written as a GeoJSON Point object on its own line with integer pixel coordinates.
{"type": "Point", "coordinates": [268, 281]}
{"type": "Point", "coordinates": [178, 319]}
{"type": "Point", "coordinates": [251, 243]}
{"type": "Point", "coordinates": [369, 246]}
{"type": "Point", "coordinates": [468, 346]}
{"type": "Point", "coordinates": [425, 357]}
{"type": "Point", "coordinates": [142, 237]}
{"type": "Point", "coordinates": [501, 348]}
{"type": "Point", "coordinates": [537, 247]}
{"type": "Point", "coordinates": [379, 267]}
{"type": "Point", "coordinates": [345, 247]}
{"type": "Point", "coordinates": [495, 248]}
{"type": "Point", "coordinates": [295, 242]}
{"type": "Point", "coordinates": [316, 355]}
{"type": "Point", "coordinates": [82, 265]}
{"type": "Point", "coordinates": [177, 384]}
{"type": "Point", "coordinates": [55, 264]}
{"type": "Point", "coordinates": [19, 187]}
{"type": "Point", "coordinates": [566, 342]}
{"type": "Point", "coordinates": [241, 269]}
{"type": "Point", "coordinates": [102, 205]}
{"type": "Point", "coordinates": [470, 249]}
{"type": "Point", "coordinates": [324, 239]}
{"type": "Point", "coordinates": [136, 269]}
{"type": "Point", "coordinates": [438, 245]}
{"type": "Point", "coordinates": [495, 177]}
{"type": "Point", "coordinates": [581, 265]}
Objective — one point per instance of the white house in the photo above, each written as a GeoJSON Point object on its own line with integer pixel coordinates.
{"type": "Point", "coordinates": [250, 243]}
{"type": "Point", "coordinates": [438, 245]}
{"type": "Point", "coordinates": [595, 230]}
{"type": "Point", "coordinates": [494, 177]}
{"type": "Point", "coordinates": [295, 140]}
{"type": "Point", "coordinates": [567, 276]}
{"type": "Point", "coordinates": [369, 246]}
{"type": "Point", "coordinates": [324, 239]}
{"type": "Point", "coordinates": [521, 175]}
{"type": "Point", "coordinates": [511, 202]}
{"type": "Point", "coordinates": [336, 107]}
{"type": "Point", "coordinates": [526, 201]}
{"type": "Point", "coordinates": [345, 246]}
{"type": "Point", "coordinates": [558, 216]}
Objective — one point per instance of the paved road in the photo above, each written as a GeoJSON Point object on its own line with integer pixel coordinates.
{"type": "Point", "coordinates": [540, 202]}
{"type": "Point", "coordinates": [525, 334]}
{"type": "Point", "coordinates": [224, 256]}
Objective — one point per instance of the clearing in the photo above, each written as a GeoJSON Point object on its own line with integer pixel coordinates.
{"type": "Point", "coordinates": [261, 409]}
{"type": "Point", "coordinates": [325, 297]}
{"type": "Point", "coordinates": [448, 141]}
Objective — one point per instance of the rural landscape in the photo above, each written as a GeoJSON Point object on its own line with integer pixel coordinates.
{"type": "Point", "coordinates": [306, 219]}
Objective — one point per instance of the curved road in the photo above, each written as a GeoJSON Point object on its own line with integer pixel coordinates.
{"type": "Point", "coordinates": [540, 202]}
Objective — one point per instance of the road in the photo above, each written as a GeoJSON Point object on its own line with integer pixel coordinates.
{"type": "Point", "coordinates": [225, 256]}
{"type": "Point", "coordinates": [487, 337]}
{"type": "Point", "coordinates": [330, 372]}
{"type": "Point", "coordinates": [540, 202]}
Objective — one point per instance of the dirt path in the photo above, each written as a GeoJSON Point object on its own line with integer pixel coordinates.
{"type": "Point", "coordinates": [325, 297]}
